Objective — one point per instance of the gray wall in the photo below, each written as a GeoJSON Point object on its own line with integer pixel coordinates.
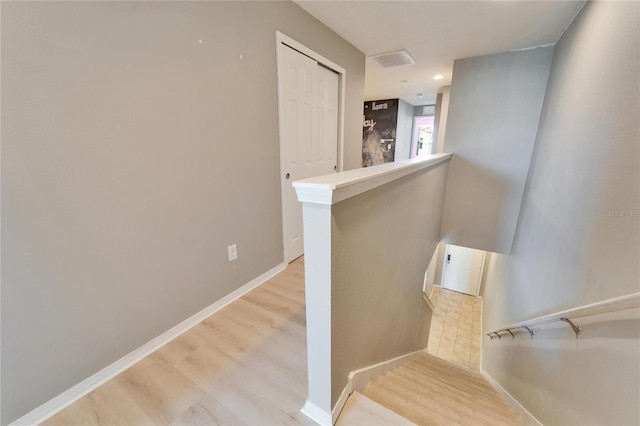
{"type": "Point", "coordinates": [578, 235]}
{"type": "Point", "coordinates": [437, 112]}
{"type": "Point", "coordinates": [491, 128]}
{"type": "Point", "coordinates": [382, 241]}
{"type": "Point", "coordinates": [404, 130]}
{"type": "Point", "coordinates": [132, 155]}
{"type": "Point", "coordinates": [442, 106]}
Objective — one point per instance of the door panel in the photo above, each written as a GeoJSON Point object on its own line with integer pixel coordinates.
{"type": "Point", "coordinates": [309, 130]}
{"type": "Point", "coordinates": [463, 269]}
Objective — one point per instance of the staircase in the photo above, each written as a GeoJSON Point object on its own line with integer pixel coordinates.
{"type": "Point", "coordinates": [429, 391]}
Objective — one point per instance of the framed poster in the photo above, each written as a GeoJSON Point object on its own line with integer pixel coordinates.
{"type": "Point", "coordinates": [379, 132]}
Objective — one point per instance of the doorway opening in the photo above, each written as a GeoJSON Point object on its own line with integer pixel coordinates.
{"type": "Point", "coordinates": [422, 140]}
{"type": "Point", "coordinates": [462, 269]}
{"type": "Point", "coordinates": [455, 331]}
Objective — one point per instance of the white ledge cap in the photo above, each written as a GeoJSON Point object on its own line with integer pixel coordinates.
{"type": "Point", "coordinates": [336, 187]}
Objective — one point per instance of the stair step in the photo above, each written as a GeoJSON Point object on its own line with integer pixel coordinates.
{"type": "Point", "coordinates": [429, 372]}
{"type": "Point", "coordinates": [408, 408]}
{"type": "Point", "coordinates": [469, 407]}
{"type": "Point", "coordinates": [419, 400]}
{"type": "Point", "coordinates": [448, 368]}
{"type": "Point", "coordinates": [426, 376]}
{"type": "Point", "coordinates": [362, 411]}
{"type": "Point", "coordinates": [431, 391]}
{"type": "Point", "coordinates": [464, 395]}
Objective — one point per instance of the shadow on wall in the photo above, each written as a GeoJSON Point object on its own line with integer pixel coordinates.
{"type": "Point", "coordinates": [575, 377]}
{"type": "Point", "coordinates": [485, 196]}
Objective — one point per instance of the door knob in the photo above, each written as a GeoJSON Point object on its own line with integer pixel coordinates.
{"type": "Point", "coordinates": [335, 168]}
{"type": "Point", "coordinates": [287, 176]}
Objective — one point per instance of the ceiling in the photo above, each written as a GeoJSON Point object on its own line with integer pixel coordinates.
{"type": "Point", "coordinates": [436, 33]}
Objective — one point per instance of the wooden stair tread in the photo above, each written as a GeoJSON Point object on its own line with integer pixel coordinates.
{"type": "Point", "coordinates": [468, 407]}
{"type": "Point", "coordinates": [431, 391]}
{"type": "Point", "coordinates": [420, 402]}
{"type": "Point", "coordinates": [458, 395]}
{"type": "Point", "coordinates": [362, 411]}
{"type": "Point", "coordinates": [406, 408]}
{"type": "Point", "coordinates": [426, 376]}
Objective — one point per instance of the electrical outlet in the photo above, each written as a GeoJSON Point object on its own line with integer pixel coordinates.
{"type": "Point", "coordinates": [232, 251]}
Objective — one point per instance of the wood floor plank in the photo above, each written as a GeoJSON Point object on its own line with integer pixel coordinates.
{"type": "Point", "coordinates": [468, 406]}
{"type": "Point", "coordinates": [454, 395]}
{"type": "Point", "coordinates": [245, 364]}
{"type": "Point", "coordinates": [107, 405]}
{"type": "Point", "coordinates": [362, 411]}
{"type": "Point", "coordinates": [204, 414]}
{"type": "Point", "coordinates": [404, 407]}
{"type": "Point", "coordinates": [161, 391]}
{"type": "Point", "coordinates": [449, 381]}
{"type": "Point", "coordinates": [429, 390]}
{"type": "Point", "coordinates": [234, 385]}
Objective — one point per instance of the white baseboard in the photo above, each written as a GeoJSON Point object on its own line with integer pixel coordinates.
{"type": "Point", "coordinates": [68, 397]}
{"type": "Point", "coordinates": [526, 417]}
{"type": "Point", "coordinates": [358, 379]}
{"type": "Point", "coordinates": [428, 301]}
{"type": "Point", "coordinates": [342, 400]}
{"type": "Point", "coordinates": [317, 414]}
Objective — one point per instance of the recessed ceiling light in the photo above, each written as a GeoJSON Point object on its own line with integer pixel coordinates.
{"type": "Point", "coordinates": [404, 81]}
{"type": "Point", "coordinates": [419, 95]}
{"type": "Point", "coordinates": [438, 77]}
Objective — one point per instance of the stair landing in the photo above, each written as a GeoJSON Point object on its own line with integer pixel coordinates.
{"type": "Point", "coordinates": [431, 391]}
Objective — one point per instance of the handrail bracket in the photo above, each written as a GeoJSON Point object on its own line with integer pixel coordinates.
{"type": "Point", "coordinates": [529, 330]}
{"type": "Point", "coordinates": [576, 329]}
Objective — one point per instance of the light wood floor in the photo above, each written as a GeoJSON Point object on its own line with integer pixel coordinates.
{"type": "Point", "coordinates": [431, 391]}
{"type": "Point", "coordinates": [362, 411]}
{"type": "Point", "coordinates": [455, 333]}
{"type": "Point", "coordinates": [245, 364]}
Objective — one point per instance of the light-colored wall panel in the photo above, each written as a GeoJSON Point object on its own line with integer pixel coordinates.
{"type": "Point", "coordinates": [382, 242]}
{"type": "Point", "coordinates": [139, 140]}
{"type": "Point", "coordinates": [442, 112]}
{"type": "Point", "coordinates": [404, 131]}
{"type": "Point", "coordinates": [579, 232]}
{"type": "Point", "coordinates": [492, 120]}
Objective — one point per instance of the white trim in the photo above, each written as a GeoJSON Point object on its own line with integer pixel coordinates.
{"type": "Point", "coordinates": [333, 188]}
{"type": "Point", "coordinates": [342, 400]}
{"type": "Point", "coordinates": [68, 397]}
{"type": "Point", "coordinates": [358, 379]}
{"type": "Point", "coordinates": [481, 331]}
{"type": "Point", "coordinates": [316, 414]}
{"type": "Point", "coordinates": [484, 261]}
{"type": "Point", "coordinates": [342, 79]}
{"type": "Point", "coordinates": [428, 301]}
{"type": "Point", "coordinates": [526, 417]}
{"type": "Point", "coordinates": [628, 301]}
{"type": "Point", "coordinates": [426, 297]}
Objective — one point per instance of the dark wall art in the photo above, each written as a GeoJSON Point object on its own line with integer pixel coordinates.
{"type": "Point", "coordinates": [379, 132]}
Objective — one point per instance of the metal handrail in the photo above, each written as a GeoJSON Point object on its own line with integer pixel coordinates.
{"type": "Point", "coordinates": [621, 303]}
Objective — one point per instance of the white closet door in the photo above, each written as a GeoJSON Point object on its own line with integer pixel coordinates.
{"type": "Point", "coordinates": [309, 133]}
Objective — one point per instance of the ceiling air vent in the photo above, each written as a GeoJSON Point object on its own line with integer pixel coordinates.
{"type": "Point", "coordinates": [394, 59]}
